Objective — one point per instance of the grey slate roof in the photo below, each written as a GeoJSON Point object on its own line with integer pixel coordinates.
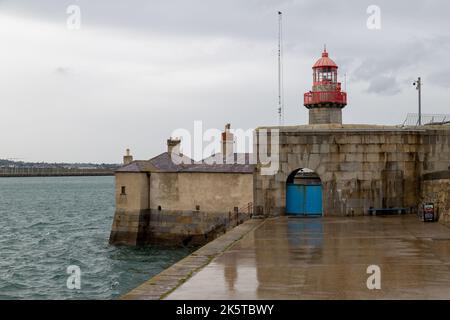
{"type": "Point", "coordinates": [137, 166]}
{"type": "Point", "coordinates": [164, 163]}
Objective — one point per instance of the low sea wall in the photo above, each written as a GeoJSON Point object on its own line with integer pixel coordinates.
{"type": "Point", "coordinates": [171, 227]}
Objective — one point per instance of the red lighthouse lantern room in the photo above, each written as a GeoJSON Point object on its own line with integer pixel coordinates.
{"type": "Point", "coordinates": [326, 100]}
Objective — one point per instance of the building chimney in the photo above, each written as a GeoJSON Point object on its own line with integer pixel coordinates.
{"type": "Point", "coordinates": [173, 145]}
{"type": "Point", "coordinates": [227, 142]}
{"type": "Point", "coordinates": [127, 158]}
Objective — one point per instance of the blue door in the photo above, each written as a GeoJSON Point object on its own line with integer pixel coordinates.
{"type": "Point", "coordinates": [303, 199]}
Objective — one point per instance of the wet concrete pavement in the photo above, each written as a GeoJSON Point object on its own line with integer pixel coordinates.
{"type": "Point", "coordinates": [327, 258]}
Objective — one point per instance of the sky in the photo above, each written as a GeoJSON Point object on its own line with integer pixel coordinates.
{"type": "Point", "coordinates": [127, 74]}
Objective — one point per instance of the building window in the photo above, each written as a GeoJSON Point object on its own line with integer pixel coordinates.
{"type": "Point", "coordinates": [159, 208]}
{"type": "Point", "coordinates": [197, 207]}
{"type": "Point", "coordinates": [122, 192]}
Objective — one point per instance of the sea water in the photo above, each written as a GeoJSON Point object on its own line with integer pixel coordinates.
{"type": "Point", "coordinates": [48, 224]}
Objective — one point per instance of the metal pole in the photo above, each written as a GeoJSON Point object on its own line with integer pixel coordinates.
{"type": "Point", "coordinates": [345, 82]}
{"type": "Point", "coordinates": [419, 87]}
{"type": "Point", "coordinates": [280, 87]}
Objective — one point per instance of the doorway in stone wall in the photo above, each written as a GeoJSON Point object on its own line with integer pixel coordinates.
{"type": "Point", "coordinates": [303, 193]}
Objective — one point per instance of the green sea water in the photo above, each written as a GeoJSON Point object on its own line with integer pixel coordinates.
{"type": "Point", "coordinates": [50, 223]}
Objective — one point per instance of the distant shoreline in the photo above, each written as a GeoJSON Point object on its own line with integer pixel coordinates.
{"type": "Point", "coordinates": [57, 174]}
{"type": "Point", "coordinates": [19, 169]}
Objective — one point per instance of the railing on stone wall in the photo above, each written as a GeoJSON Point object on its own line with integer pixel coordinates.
{"type": "Point", "coordinates": [239, 215]}
{"type": "Point", "coordinates": [412, 119]}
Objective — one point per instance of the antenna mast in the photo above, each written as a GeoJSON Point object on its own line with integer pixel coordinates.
{"type": "Point", "coordinates": [280, 70]}
{"type": "Point", "coordinates": [345, 82]}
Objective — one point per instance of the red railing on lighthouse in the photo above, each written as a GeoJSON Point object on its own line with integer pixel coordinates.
{"type": "Point", "coordinates": [316, 97]}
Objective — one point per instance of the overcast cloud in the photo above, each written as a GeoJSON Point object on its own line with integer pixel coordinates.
{"type": "Point", "coordinates": [137, 70]}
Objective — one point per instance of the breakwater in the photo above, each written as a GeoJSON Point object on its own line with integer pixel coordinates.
{"type": "Point", "coordinates": [53, 172]}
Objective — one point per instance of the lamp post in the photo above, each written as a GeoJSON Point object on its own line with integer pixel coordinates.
{"type": "Point", "coordinates": [418, 85]}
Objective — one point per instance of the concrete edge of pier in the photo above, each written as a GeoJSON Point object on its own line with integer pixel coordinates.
{"type": "Point", "coordinates": [171, 278]}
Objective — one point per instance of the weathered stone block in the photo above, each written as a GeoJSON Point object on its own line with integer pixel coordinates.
{"type": "Point", "coordinates": [315, 148]}
{"type": "Point", "coordinates": [372, 157]}
{"type": "Point", "coordinates": [392, 156]}
{"type": "Point", "coordinates": [354, 139]}
{"type": "Point", "coordinates": [346, 176]}
{"type": "Point", "coordinates": [368, 176]}
{"type": "Point", "coordinates": [394, 139]}
{"type": "Point", "coordinates": [292, 159]}
{"type": "Point", "coordinates": [348, 148]}
{"type": "Point", "coordinates": [324, 148]}
{"type": "Point", "coordinates": [352, 157]}
{"type": "Point", "coordinates": [313, 161]}
{"type": "Point", "coordinates": [373, 148]}
{"type": "Point", "coordinates": [292, 140]}
{"type": "Point", "coordinates": [351, 166]}
{"type": "Point", "coordinates": [389, 147]}
{"type": "Point", "coordinates": [334, 148]}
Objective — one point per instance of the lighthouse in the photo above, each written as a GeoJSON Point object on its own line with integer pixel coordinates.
{"type": "Point", "coordinates": [326, 100]}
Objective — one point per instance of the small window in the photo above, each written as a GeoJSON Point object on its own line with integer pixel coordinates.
{"type": "Point", "coordinates": [159, 208]}
{"type": "Point", "coordinates": [123, 190]}
{"type": "Point", "coordinates": [197, 207]}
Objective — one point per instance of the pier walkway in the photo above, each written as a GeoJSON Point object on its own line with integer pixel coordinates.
{"type": "Point", "coordinates": [317, 258]}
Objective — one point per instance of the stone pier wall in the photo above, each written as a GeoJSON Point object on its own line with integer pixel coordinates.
{"type": "Point", "coordinates": [171, 227]}
{"type": "Point", "coordinates": [178, 208]}
{"type": "Point", "coordinates": [359, 166]}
